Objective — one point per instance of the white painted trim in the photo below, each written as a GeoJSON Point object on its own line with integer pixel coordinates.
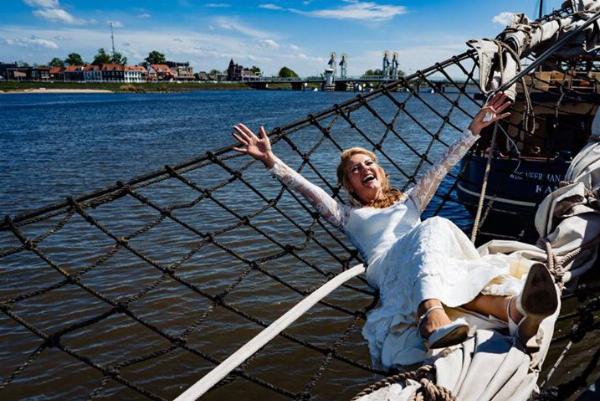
{"type": "Point", "coordinates": [497, 198]}
{"type": "Point", "coordinates": [262, 338]}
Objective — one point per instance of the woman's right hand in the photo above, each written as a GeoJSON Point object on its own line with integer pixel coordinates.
{"type": "Point", "coordinates": [258, 148]}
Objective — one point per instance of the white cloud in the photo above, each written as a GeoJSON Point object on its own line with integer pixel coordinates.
{"type": "Point", "coordinates": [217, 5]}
{"type": "Point", "coordinates": [144, 16]}
{"type": "Point", "coordinates": [57, 15]}
{"type": "Point", "coordinates": [231, 24]}
{"type": "Point", "coordinates": [115, 24]}
{"type": "Point", "coordinates": [294, 47]}
{"type": "Point", "coordinates": [269, 43]}
{"type": "Point", "coordinates": [270, 6]}
{"type": "Point", "coordinates": [358, 11]}
{"type": "Point", "coordinates": [178, 40]}
{"type": "Point", "coordinates": [504, 18]}
{"type": "Point", "coordinates": [42, 3]}
{"type": "Point", "coordinates": [50, 10]}
{"type": "Point", "coordinates": [32, 41]}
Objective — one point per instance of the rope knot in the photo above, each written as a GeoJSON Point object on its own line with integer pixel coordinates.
{"type": "Point", "coordinates": [179, 341]}
{"type": "Point", "coordinates": [122, 241]}
{"type": "Point", "coordinates": [112, 371]}
{"type": "Point", "coordinates": [53, 340]}
{"type": "Point", "coordinates": [29, 245]}
{"type": "Point", "coordinates": [121, 306]}
{"type": "Point", "coordinates": [220, 298]}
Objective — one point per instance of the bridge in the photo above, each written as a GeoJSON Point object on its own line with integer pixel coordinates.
{"type": "Point", "coordinates": [353, 83]}
{"type": "Point", "coordinates": [330, 81]}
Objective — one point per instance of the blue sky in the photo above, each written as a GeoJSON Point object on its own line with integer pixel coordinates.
{"type": "Point", "coordinates": [269, 33]}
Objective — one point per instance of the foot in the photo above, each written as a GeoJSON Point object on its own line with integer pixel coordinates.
{"type": "Point", "coordinates": [438, 331]}
{"type": "Point", "coordinates": [512, 311]}
{"type": "Point", "coordinates": [537, 301]}
{"type": "Point", "coordinates": [435, 319]}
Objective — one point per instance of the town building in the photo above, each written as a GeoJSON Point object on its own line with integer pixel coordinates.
{"type": "Point", "coordinates": [92, 73]}
{"type": "Point", "coordinates": [203, 76]}
{"type": "Point", "coordinates": [160, 72]}
{"type": "Point", "coordinates": [237, 72]}
{"type": "Point", "coordinates": [41, 73]}
{"type": "Point", "coordinates": [181, 71]}
{"type": "Point", "coordinates": [73, 73]}
{"type": "Point", "coordinates": [4, 69]}
{"type": "Point", "coordinates": [18, 73]}
{"type": "Point", "coordinates": [113, 73]}
{"type": "Point", "coordinates": [57, 73]}
{"type": "Point", "coordinates": [234, 71]}
{"type": "Point", "coordinates": [135, 73]}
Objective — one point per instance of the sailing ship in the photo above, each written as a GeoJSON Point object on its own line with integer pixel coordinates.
{"type": "Point", "coordinates": [553, 109]}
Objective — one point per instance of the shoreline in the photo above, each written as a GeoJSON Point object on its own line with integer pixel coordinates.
{"type": "Point", "coordinates": [56, 91]}
{"type": "Point", "coordinates": [7, 87]}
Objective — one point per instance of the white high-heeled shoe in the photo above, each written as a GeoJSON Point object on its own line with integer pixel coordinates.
{"type": "Point", "coordinates": [537, 301]}
{"type": "Point", "coordinates": [449, 334]}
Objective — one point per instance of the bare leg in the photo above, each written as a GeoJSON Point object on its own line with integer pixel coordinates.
{"type": "Point", "coordinates": [436, 318]}
{"type": "Point", "coordinates": [484, 304]}
{"type": "Point", "coordinates": [495, 306]}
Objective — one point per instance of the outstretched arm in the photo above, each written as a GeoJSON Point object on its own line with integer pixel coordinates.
{"type": "Point", "coordinates": [426, 187]}
{"type": "Point", "coordinates": [260, 149]}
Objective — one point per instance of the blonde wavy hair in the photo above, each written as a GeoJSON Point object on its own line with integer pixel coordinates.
{"type": "Point", "coordinates": [390, 195]}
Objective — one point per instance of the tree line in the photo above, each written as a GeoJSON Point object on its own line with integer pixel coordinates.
{"type": "Point", "coordinates": [156, 57]}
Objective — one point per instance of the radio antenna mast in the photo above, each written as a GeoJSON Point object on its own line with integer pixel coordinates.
{"type": "Point", "coordinates": [112, 38]}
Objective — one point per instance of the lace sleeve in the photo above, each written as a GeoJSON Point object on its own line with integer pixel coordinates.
{"type": "Point", "coordinates": [425, 188]}
{"type": "Point", "coordinates": [328, 207]}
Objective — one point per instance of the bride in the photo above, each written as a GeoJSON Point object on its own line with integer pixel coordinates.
{"type": "Point", "coordinates": [418, 267]}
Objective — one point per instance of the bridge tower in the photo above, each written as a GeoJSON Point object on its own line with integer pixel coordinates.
{"type": "Point", "coordinates": [385, 71]}
{"type": "Point", "coordinates": [395, 64]}
{"type": "Point", "coordinates": [332, 63]}
{"type": "Point", "coordinates": [344, 66]}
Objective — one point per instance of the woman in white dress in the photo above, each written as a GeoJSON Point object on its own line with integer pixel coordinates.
{"type": "Point", "coordinates": [418, 267]}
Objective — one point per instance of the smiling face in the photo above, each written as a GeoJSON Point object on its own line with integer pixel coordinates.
{"type": "Point", "coordinates": [364, 178]}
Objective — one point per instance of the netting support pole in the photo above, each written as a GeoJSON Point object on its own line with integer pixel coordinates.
{"type": "Point", "coordinates": [261, 339]}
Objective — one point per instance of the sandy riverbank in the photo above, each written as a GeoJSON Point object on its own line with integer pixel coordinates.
{"type": "Point", "coordinates": [44, 90]}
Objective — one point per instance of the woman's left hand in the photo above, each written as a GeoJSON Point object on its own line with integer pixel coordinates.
{"type": "Point", "coordinates": [490, 113]}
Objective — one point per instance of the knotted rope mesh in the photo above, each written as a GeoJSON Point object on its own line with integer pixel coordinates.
{"type": "Point", "coordinates": [137, 290]}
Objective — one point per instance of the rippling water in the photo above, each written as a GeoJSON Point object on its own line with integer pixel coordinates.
{"type": "Point", "coordinates": [60, 145]}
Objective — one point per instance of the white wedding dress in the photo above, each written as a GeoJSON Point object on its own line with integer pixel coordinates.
{"type": "Point", "coordinates": [408, 260]}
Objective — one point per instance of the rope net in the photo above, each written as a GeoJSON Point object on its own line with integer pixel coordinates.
{"type": "Point", "coordinates": [137, 290]}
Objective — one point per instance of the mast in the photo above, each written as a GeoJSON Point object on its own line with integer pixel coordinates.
{"type": "Point", "coordinates": [112, 38]}
{"type": "Point", "coordinates": [541, 11]}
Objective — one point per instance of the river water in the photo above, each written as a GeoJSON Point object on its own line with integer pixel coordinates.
{"type": "Point", "coordinates": [54, 146]}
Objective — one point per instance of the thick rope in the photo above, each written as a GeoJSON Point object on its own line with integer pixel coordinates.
{"type": "Point", "coordinates": [425, 376]}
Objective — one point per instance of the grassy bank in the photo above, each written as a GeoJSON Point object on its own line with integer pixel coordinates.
{"type": "Point", "coordinates": [135, 88]}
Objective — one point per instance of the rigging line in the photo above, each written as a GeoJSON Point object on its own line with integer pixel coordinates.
{"type": "Point", "coordinates": [549, 52]}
